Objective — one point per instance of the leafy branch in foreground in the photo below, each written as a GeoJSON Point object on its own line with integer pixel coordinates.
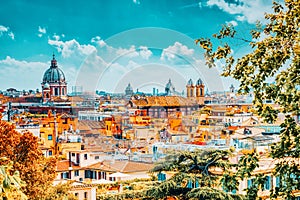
{"type": "Point", "coordinates": [275, 56]}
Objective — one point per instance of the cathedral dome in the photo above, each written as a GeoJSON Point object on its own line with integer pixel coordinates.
{"type": "Point", "coordinates": [54, 74]}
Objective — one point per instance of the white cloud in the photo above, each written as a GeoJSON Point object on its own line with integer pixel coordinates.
{"type": "Point", "coordinates": [134, 52]}
{"type": "Point", "coordinates": [5, 30]}
{"type": "Point", "coordinates": [11, 35]}
{"type": "Point", "coordinates": [71, 47]}
{"type": "Point", "coordinates": [41, 31]}
{"type": "Point", "coordinates": [98, 41]}
{"type": "Point", "coordinates": [136, 2]}
{"type": "Point", "coordinates": [232, 22]}
{"type": "Point", "coordinates": [145, 52]}
{"type": "Point", "coordinates": [245, 10]}
{"type": "Point", "coordinates": [176, 50]}
{"type": "Point", "coordinates": [31, 73]}
{"type": "Point", "coordinates": [56, 37]}
{"type": "Point", "coordinates": [240, 18]}
{"type": "Point", "coordinates": [131, 52]}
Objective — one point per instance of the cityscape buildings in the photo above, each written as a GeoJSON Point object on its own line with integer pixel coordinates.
{"type": "Point", "coordinates": [129, 104]}
{"type": "Point", "coordinates": [128, 133]}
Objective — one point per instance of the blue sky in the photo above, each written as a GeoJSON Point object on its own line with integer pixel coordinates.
{"type": "Point", "coordinates": [105, 44]}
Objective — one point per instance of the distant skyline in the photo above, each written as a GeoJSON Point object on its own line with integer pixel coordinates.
{"type": "Point", "coordinates": [104, 45]}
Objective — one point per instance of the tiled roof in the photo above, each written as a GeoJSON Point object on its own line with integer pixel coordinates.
{"type": "Point", "coordinates": [65, 116]}
{"type": "Point", "coordinates": [123, 166]}
{"type": "Point", "coordinates": [130, 166]}
{"type": "Point", "coordinates": [164, 101]}
{"type": "Point", "coordinates": [88, 125]}
{"type": "Point", "coordinates": [63, 165]}
{"type": "Point", "coordinates": [101, 166]}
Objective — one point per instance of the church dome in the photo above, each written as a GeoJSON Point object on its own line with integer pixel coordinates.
{"type": "Point", "coordinates": [129, 88]}
{"type": "Point", "coordinates": [54, 74]}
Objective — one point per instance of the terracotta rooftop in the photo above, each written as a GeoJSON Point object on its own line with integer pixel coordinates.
{"type": "Point", "coordinates": [63, 165]}
{"type": "Point", "coordinates": [89, 125]}
{"type": "Point", "coordinates": [130, 166]}
{"type": "Point", "coordinates": [102, 166]}
{"type": "Point", "coordinates": [65, 116]}
{"type": "Point", "coordinates": [163, 101]}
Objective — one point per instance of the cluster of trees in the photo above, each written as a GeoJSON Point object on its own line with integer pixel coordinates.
{"type": "Point", "coordinates": [24, 172]}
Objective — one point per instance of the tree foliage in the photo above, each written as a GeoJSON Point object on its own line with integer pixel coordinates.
{"type": "Point", "coordinates": [275, 56]}
{"type": "Point", "coordinates": [10, 185]}
{"type": "Point", "coordinates": [21, 150]}
{"type": "Point", "coordinates": [197, 176]}
{"type": "Point", "coordinates": [59, 192]}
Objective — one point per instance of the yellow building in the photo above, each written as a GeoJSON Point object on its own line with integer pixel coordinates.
{"type": "Point", "coordinates": [58, 135]}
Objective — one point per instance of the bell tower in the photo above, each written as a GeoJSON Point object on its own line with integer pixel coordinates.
{"type": "Point", "coordinates": [200, 91]}
{"type": "Point", "coordinates": [190, 89]}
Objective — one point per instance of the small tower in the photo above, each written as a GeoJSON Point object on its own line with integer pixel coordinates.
{"type": "Point", "coordinates": [231, 88]}
{"type": "Point", "coordinates": [199, 88]}
{"type": "Point", "coordinates": [200, 91]}
{"type": "Point", "coordinates": [46, 93]}
{"type": "Point", "coordinates": [190, 89]}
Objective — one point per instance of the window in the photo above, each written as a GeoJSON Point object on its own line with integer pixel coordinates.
{"type": "Point", "coordinates": [50, 137]}
{"type": "Point", "coordinates": [64, 175]}
{"type": "Point", "coordinates": [193, 184]}
{"type": "Point", "coordinates": [112, 178]}
{"type": "Point", "coordinates": [267, 185]}
{"type": "Point", "coordinates": [102, 175]}
{"type": "Point", "coordinates": [96, 157]}
{"type": "Point", "coordinates": [85, 195]}
{"type": "Point", "coordinates": [76, 173]}
{"type": "Point", "coordinates": [277, 181]}
{"type": "Point", "coordinates": [87, 174]}
{"type": "Point", "coordinates": [50, 152]}
{"type": "Point", "coordinates": [76, 194]}
{"type": "Point", "coordinates": [73, 154]}
{"type": "Point", "coordinates": [249, 183]}
{"type": "Point", "coordinates": [56, 91]}
{"type": "Point", "coordinates": [161, 176]}
{"type": "Point", "coordinates": [85, 156]}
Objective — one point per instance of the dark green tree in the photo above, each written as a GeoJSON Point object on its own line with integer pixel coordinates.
{"type": "Point", "coordinates": [197, 175]}
{"type": "Point", "coordinates": [275, 55]}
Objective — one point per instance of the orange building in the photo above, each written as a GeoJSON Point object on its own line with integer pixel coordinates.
{"type": "Point", "coordinates": [140, 118]}
{"type": "Point", "coordinates": [57, 131]}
